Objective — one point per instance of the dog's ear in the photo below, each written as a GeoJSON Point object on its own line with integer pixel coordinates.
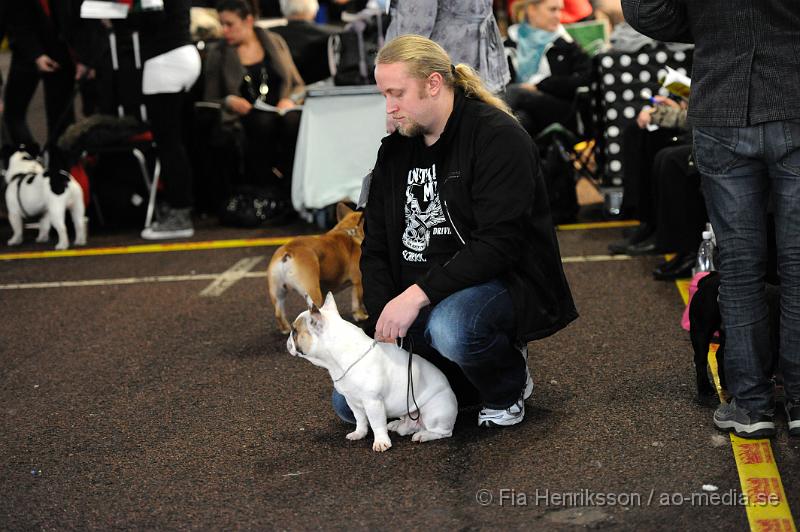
{"type": "Point", "coordinates": [315, 318]}
{"type": "Point", "coordinates": [330, 303]}
{"type": "Point", "coordinates": [342, 210]}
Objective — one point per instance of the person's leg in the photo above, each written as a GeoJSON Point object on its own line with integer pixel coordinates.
{"type": "Point", "coordinates": [783, 139]}
{"type": "Point", "coordinates": [58, 100]}
{"type": "Point", "coordinates": [474, 328]}
{"type": "Point", "coordinates": [261, 132]}
{"type": "Point", "coordinates": [165, 112]}
{"type": "Point", "coordinates": [680, 212]}
{"type": "Point", "coordinates": [736, 189]}
{"type": "Point", "coordinates": [537, 110]}
{"type": "Point", "coordinates": [20, 86]}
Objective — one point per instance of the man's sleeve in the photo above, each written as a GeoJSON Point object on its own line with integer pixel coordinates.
{"type": "Point", "coordinates": [502, 194]}
{"type": "Point", "coordinates": [663, 20]}
{"type": "Point", "coordinates": [376, 277]}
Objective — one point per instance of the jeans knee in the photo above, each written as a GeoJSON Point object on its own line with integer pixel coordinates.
{"type": "Point", "coordinates": [341, 408]}
{"type": "Point", "coordinates": [447, 338]}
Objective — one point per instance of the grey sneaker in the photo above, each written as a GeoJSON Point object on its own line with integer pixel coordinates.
{"type": "Point", "coordinates": [793, 417]}
{"type": "Point", "coordinates": [171, 223]}
{"type": "Point", "coordinates": [744, 423]}
{"type": "Point", "coordinates": [489, 417]}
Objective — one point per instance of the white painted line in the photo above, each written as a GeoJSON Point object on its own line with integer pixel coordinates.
{"type": "Point", "coordinates": [595, 258]}
{"type": "Point", "coordinates": [214, 276]}
{"type": "Point", "coordinates": [111, 282]}
{"type": "Point", "coordinates": [231, 276]}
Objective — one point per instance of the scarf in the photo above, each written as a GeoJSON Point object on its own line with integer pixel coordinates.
{"type": "Point", "coordinates": [531, 45]}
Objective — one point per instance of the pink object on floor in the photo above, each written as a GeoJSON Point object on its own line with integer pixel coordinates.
{"type": "Point", "coordinates": [692, 290]}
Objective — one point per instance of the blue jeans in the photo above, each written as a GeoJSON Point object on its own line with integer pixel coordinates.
{"type": "Point", "coordinates": [470, 337]}
{"type": "Point", "coordinates": [742, 170]}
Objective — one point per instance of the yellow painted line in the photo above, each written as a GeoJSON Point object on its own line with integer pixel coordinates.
{"type": "Point", "coordinates": [598, 225]}
{"type": "Point", "coordinates": [148, 248]}
{"type": "Point", "coordinates": [765, 499]}
{"type": "Point", "coordinates": [683, 288]}
{"type": "Point", "coordinates": [767, 506]}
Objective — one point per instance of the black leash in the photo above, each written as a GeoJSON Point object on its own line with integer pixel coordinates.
{"type": "Point", "coordinates": [21, 178]}
{"type": "Point", "coordinates": [410, 381]}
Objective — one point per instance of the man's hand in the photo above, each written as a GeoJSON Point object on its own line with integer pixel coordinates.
{"type": "Point", "coordinates": [529, 87]}
{"type": "Point", "coordinates": [399, 314]}
{"type": "Point", "coordinates": [238, 105]}
{"type": "Point", "coordinates": [46, 64]}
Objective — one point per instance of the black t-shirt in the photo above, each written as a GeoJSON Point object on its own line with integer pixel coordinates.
{"type": "Point", "coordinates": [428, 239]}
{"type": "Point", "coordinates": [258, 75]}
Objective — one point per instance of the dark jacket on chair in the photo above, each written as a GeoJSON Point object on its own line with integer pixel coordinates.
{"type": "Point", "coordinates": [224, 72]}
{"type": "Point", "coordinates": [570, 68]}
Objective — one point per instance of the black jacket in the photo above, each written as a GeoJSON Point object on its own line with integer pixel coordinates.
{"type": "Point", "coordinates": [746, 63]}
{"type": "Point", "coordinates": [60, 35]}
{"type": "Point", "coordinates": [494, 194]}
{"type": "Point", "coordinates": [308, 43]}
{"type": "Point", "coordinates": [570, 68]}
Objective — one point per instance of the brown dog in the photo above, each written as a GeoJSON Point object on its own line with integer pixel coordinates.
{"type": "Point", "coordinates": [314, 265]}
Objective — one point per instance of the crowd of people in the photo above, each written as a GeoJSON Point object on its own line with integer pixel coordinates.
{"type": "Point", "coordinates": [447, 81]}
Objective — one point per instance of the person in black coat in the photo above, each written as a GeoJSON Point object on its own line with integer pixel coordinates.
{"type": "Point", "coordinates": [460, 256]}
{"type": "Point", "coordinates": [550, 68]}
{"type": "Point", "coordinates": [48, 44]}
{"type": "Point", "coordinates": [308, 41]}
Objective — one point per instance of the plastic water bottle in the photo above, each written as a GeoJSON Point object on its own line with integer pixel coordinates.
{"type": "Point", "coordinates": [706, 252]}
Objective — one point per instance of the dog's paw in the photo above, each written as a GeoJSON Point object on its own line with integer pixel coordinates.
{"type": "Point", "coordinates": [61, 247]}
{"type": "Point", "coordinates": [395, 425]}
{"type": "Point", "coordinates": [14, 241]}
{"type": "Point", "coordinates": [356, 435]}
{"type": "Point", "coordinates": [381, 445]}
{"type": "Point", "coordinates": [80, 242]}
{"type": "Point", "coordinates": [41, 239]}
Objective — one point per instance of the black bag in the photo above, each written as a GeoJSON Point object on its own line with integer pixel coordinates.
{"type": "Point", "coordinates": [559, 177]}
{"type": "Point", "coordinates": [352, 53]}
{"type": "Point", "coordinates": [251, 206]}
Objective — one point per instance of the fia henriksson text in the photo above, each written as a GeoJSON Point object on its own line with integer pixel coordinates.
{"type": "Point", "coordinates": [586, 497]}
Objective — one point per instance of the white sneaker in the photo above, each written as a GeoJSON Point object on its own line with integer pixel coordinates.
{"type": "Point", "coordinates": [489, 417]}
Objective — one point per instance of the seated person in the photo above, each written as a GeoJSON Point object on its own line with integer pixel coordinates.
{"type": "Point", "coordinates": [308, 41]}
{"type": "Point", "coordinates": [550, 68]}
{"type": "Point", "coordinates": [640, 145]}
{"type": "Point", "coordinates": [252, 66]}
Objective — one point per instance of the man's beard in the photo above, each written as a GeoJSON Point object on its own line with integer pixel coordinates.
{"type": "Point", "coordinates": [410, 128]}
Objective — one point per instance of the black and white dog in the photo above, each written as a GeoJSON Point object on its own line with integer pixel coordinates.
{"type": "Point", "coordinates": [32, 192]}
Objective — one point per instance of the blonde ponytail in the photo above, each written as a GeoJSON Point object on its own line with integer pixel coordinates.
{"type": "Point", "coordinates": [423, 57]}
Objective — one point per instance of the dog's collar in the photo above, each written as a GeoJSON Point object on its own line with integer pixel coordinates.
{"type": "Point", "coordinates": [342, 376]}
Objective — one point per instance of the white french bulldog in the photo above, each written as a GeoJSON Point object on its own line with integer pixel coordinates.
{"type": "Point", "coordinates": [32, 193]}
{"type": "Point", "coordinates": [373, 377]}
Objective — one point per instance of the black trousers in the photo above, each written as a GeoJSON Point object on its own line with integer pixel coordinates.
{"type": "Point", "coordinates": [536, 110]}
{"type": "Point", "coordinates": [270, 140]}
{"type": "Point", "coordinates": [680, 208]}
{"type": "Point", "coordinates": [23, 78]}
{"type": "Point", "coordinates": [639, 148]}
{"type": "Point", "coordinates": [165, 112]}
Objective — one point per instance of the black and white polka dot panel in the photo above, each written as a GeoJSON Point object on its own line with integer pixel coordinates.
{"type": "Point", "coordinates": [625, 83]}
